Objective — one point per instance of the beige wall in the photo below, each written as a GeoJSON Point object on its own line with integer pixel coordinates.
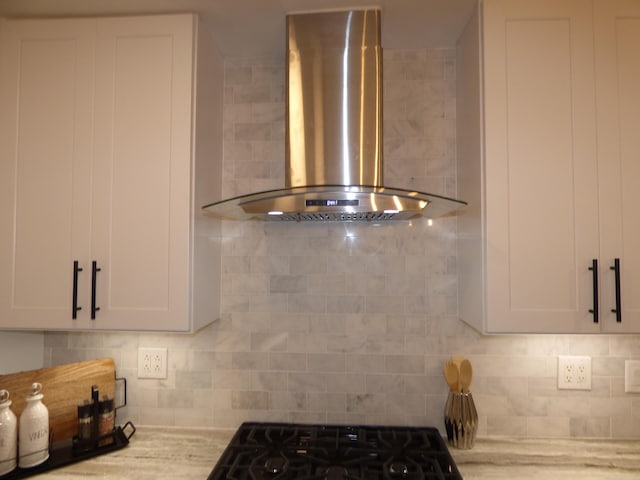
{"type": "Point", "coordinates": [352, 323]}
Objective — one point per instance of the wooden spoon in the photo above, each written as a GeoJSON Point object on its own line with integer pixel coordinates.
{"type": "Point", "coordinates": [456, 360]}
{"type": "Point", "coordinates": [451, 375]}
{"type": "Point", "coordinates": [466, 374]}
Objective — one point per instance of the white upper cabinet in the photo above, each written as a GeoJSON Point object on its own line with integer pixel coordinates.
{"type": "Point", "coordinates": [617, 57]}
{"type": "Point", "coordinates": [110, 137]}
{"type": "Point", "coordinates": [535, 169]}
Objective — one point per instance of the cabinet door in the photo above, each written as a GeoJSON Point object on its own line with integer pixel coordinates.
{"type": "Point", "coordinates": [617, 42]}
{"type": "Point", "coordinates": [46, 77]}
{"type": "Point", "coordinates": [540, 165]}
{"type": "Point", "coordinates": [142, 159]}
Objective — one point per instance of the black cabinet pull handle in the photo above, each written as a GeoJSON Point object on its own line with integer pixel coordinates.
{"type": "Point", "coordinates": [75, 308]}
{"type": "Point", "coordinates": [618, 309]}
{"type": "Point", "coordinates": [594, 269]}
{"type": "Point", "coordinates": [94, 274]}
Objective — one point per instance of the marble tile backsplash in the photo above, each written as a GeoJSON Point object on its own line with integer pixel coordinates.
{"type": "Point", "coordinates": [352, 323]}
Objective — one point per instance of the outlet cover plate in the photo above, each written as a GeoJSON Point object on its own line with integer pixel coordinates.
{"type": "Point", "coordinates": [632, 376]}
{"type": "Point", "coordinates": [574, 372]}
{"type": "Point", "coordinates": [152, 362]}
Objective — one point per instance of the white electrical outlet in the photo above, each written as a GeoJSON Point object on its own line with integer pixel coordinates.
{"type": "Point", "coordinates": [574, 372]}
{"type": "Point", "coordinates": [152, 362]}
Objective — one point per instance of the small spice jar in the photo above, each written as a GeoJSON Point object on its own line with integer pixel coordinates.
{"type": "Point", "coordinates": [85, 420]}
{"type": "Point", "coordinates": [106, 420]}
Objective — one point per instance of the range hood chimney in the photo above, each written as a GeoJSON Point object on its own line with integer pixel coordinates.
{"type": "Point", "coordinates": [333, 163]}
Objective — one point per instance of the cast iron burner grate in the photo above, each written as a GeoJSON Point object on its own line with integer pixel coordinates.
{"type": "Point", "coordinates": [283, 451]}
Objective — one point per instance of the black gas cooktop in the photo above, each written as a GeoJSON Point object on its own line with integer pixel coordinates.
{"type": "Point", "coordinates": [282, 451]}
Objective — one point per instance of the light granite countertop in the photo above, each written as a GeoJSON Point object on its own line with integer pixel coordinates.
{"type": "Point", "coordinates": [551, 459]}
{"type": "Point", "coordinates": [191, 454]}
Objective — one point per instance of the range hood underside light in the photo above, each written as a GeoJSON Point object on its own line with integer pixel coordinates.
{"type": "Point", "coordinates": [333, 203]}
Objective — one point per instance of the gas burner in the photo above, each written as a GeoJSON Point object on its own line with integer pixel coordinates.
{"type": "Point", "coordinates": [284, 451]}
{"type": "Point", "coordinates": [275, 465]}
{"type": "Point", "coordinates": [398, 468]}
{"type": "Point", "coordinates": [335, 473]}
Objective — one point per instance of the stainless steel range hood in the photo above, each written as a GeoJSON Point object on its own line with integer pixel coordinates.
{"type": "Point", "coordinates": [333, 161]}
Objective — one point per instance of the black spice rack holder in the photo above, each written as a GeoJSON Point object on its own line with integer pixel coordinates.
{"type": "Point", "coordinates": [67, 452]}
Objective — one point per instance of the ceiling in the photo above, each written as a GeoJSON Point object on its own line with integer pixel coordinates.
{"type": "Point", "coordinates": [242, 28]}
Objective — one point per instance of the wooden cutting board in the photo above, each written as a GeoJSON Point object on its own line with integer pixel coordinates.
{"type": "Point", "coordinates": [63, 387]}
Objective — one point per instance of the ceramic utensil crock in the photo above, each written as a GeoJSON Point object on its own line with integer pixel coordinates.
{"type": "Point", "coordinates": [460, 414]}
